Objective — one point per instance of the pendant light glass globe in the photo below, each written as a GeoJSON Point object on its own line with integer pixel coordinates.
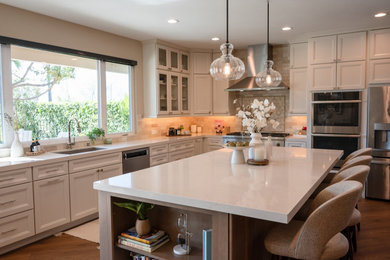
{"type": "Point", "coordinates": [227, 67]}
{"type": "Point", "coordinates": [268, 78]}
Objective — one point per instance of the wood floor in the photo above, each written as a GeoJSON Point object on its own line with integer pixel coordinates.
{"type": "Point", "coordinates": [373, 240]}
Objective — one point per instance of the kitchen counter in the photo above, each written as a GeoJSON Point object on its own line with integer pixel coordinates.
{"type": "Point", "coordinates": [208, 181]}
{"type": "Point", "coordinates": [8, 163]}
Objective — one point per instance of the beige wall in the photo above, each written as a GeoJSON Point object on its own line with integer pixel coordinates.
{"type": "Point", "coordinates": [25, 25]}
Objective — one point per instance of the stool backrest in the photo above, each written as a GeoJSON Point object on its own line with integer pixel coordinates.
{"type": "Point", "coordinates": [360, 152]}
{"type": "Point", "coordinates": [328, 219]}
{"type": "Point", "coordinates": [355, 173]}
{"type": "Point", "coordinates": [360, 160]}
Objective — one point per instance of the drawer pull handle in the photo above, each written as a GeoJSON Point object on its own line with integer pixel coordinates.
{"type": "Point", "coordinates": [8, 179]}
{"type": "Point", "coordinates": [7, 202]}
{"type": "Point", "coordinates": [51, 171]}
{"type": "Point", "coordinates": [8, 231]}
{"type": "Point", "coordinates": [53, 181]}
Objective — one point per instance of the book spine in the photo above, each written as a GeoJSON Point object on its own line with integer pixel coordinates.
{"type": "Point", "coordinates": [134, 241]}
{"type": "Point", "coordinates": [135, 238]}
{"type": "Point", "coordinates": [207, 244]}
{"type": "Point", "coordinates": [130, 244]}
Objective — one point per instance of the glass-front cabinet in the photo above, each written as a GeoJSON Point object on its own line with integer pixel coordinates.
{"type": "Point", "coordinates": [185, 95]}
{"type": "Point", "coordinates": [163, 92]}
{"type": "Point", "coordinates": [162, 58]}
{"type": "Point", "coordinates": [175, 95]}
{"type": "Point", "coordinates": [185, 62]}
{"type": "Point", "coordinates": [174, 58]}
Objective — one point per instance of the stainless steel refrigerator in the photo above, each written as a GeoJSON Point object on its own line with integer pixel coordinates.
{"type": "Point", "coordinates": [378, 138]}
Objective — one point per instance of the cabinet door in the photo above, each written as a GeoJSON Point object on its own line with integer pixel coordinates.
{"type": "Point", "coordinates": [298, 91]}
{"type": "Point", "coordinates": [185, 62]}
{"type": "Point", "coordinates": [162, 57]}
{"type": "Point", "coordinates": [198, 146]}
{"type": "Point", "coordinates": [174, 60]}
{"type": "Point", "coordinates": [202, 103]}
{"type": "Point", "coordinates": [298, 55]}
{"type": "Point", "coordinates": [201, 62]}
{"type": "Point", "coordinates": [174, 97]}
{"type": "Point", "coordinates": [185, 94]}
{"type": "Point", "coordinates": [83, 198]}
{"type": "Point", "coordinates": [379, 42]}
{"type": "Point", "coordinates": [110, 171]}
{"type": "Point", "coordinates": [379, 71]}
{"type": "Point", "coordinates": [220, 97]}
{"type": "Point", "coordinates": [351, 75]}
{"type": "Point", "coordinates": [51, 200]}
{"type": "Point", "coordinates": [162, 78]}
{"type": "Point", "coordinates": [351, 46]}
{"type": "Point", "coordinates": [322, 76]}
{"type": "Point", "coordinates": [322, 49]}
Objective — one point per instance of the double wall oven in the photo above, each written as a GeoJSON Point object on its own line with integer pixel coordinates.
{"type": "Point", "coordinates": [336, 121]}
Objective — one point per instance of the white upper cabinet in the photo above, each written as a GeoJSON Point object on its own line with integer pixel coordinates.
{"type": "Point", "coordinates": [174, 58]}
{"type": "Point", "coordinates": [379, 71]}
{"type": "Point", "coordinates": [162, 57]}
{"type": "Point", "coordinates": [298, 91]}
{"type": "Point", "coordinates": [203, 85]}
{"type": "Point", "coordinates": [201, 62]}
{"type": "Point", "coordinates": [323, 76]}
{"type": "Point", "coordinates": [298, 55]}
{"type": "Point", "coordinates": [185, 62]}
{"type": "Point", "coordinates": [351, 46]}
{"type": "Point", "coordinates": [351, 75]}
{"type": "Point", "coordinates": [220, 97]}
{"type": "Point", "coordinates": [379, 42]}
{"type": "Point", "coordinates": [322, 49]}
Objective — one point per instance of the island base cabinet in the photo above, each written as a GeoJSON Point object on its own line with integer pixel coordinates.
{"type": "Point", "coordinates": [51, 200]}
{"type": "Point", "coordinates": [16, 227]}
{"type": "Point", "coordinates": [83, 198]}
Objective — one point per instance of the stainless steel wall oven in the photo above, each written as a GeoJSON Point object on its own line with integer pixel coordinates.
{"type": "Point", "coordinates": [336, 121]}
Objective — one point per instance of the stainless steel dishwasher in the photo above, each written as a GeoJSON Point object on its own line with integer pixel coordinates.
{"type": "Point", "coordinates": [135, 160]}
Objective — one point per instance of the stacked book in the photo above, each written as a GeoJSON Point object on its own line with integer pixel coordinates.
{"type": "Point", "coordinates": [148, 243]}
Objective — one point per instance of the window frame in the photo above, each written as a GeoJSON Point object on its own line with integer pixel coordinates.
{"type": "Point", "coordinates": [7, 94]}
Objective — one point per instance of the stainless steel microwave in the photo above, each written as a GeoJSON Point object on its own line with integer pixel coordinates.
{"type": "Point", "coordinates": [336, 112]}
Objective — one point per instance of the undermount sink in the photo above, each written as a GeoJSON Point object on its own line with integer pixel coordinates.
{"type": "Point", "coordinates": [82, 150]}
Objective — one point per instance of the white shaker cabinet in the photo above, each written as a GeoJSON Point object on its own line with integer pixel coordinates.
{"type": "Point", "coordinates": [83, 198]}
{"type": "Point", "coordinates": [379, 44]}
{"type": "Point", "coordinates": [201, 62]}
{"type": "Point", "coordinates": [202, 101]}
{"type": "Point", "coordinates": [16, 227]}
{"type": "Point", "coordinates": [298, 55]}
{"type": "Point", "coordinates": [351, 46]}
{"type": "Point", "coordinates": [51, 200]}
{"type": "Point", "coordinates": [220, 97]}
{"type": "Point", "coordinates": [322, 76]}
{"type": "Point", "coordinates": [379, 71]}
{"type": "Point", "coordinates": [351, 75]}
{"type": "Point", "coordinates": [322, 49]}
{"type": "Point", "coordinates": [298, 91]}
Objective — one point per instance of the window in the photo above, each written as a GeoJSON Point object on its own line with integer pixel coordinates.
{"type": "Point", "coordinates": [118, 92]}
{"type": "Point", "coordinates": [49, 89]}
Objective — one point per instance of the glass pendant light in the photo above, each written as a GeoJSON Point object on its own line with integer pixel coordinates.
{"type": "Point", "coordinates": [268, 78]}
{"type": "Point", "coordinates": [227, 67]}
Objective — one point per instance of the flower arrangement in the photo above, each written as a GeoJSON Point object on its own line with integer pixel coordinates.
{"type": "Point", "coordinates": [257, 115]}
{"type": "Point", "coordinates": [12, 121]}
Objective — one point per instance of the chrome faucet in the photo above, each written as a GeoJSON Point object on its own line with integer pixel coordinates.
{"type": "Point", "coordinates": [69, 143]}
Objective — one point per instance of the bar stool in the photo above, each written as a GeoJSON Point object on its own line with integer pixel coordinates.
{"type": "Point", "coordinates": [359, 160]}
{"type": "Point", "coordinates": [318, 237]}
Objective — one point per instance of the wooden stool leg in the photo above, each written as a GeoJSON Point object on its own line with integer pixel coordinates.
{"type": "Point", "coordinates": [354, 242]}
{"type": "Point", "coordinates": [358, 226]}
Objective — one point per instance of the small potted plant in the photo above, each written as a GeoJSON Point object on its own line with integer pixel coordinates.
{"type": "Point", "coordinates": [142, 225]}
{"type": "Point", "coordinates": [95, 133]}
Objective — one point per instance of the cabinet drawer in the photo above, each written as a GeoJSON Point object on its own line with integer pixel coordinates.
{"type": "Point", "coordinates": [180, 146]}
{"type": "Point", "coordinates": [50, 170]}
{"type": "Point", "coordinates": [215, 141]}
{"type": "Point", "coordinates": [156, 160]}
{"type": "Point", "coordinates": [158, 150]}
{"type": "Point", "coordinates": [16, 199]}
{"type": "Point", "coordinates": [180, 155]}
{"type": "Point", "coordinates": [296, 144]}
{"type": "Point", "coordinates": [94, 162]}
{"type": "Point", "coordinates": [110, 171]}
{"type": "Point", "coordinates": [16, 227]}
{"type": "Point", "coordinates": [9, 178]}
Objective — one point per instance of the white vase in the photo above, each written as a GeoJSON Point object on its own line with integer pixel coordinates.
{"type": "Point", "coordinates": [256, 150]}
{"type": "Point", "coordinates": [16, 147]}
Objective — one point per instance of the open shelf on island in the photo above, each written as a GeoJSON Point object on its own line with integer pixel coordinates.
{"type": "Point", "coordinates": [165, 252]}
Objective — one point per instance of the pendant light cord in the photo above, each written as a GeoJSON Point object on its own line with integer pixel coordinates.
{"type": "Point", "coordinates": [227, 21]}
{"type": "Point", "coordinates": [267, 27]}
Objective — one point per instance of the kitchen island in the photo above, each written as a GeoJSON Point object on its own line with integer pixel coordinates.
{"type": "Point", "coordinates": [238, 202]}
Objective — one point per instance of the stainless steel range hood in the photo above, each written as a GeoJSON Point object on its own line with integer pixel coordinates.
{"type": "Point", "coordinates": [257, 55]}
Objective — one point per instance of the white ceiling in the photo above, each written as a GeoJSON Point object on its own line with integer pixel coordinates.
{"type": "Point", "coordinates": [202, 19]}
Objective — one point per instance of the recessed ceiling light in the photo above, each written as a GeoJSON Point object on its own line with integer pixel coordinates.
{"type": "Point", "coordinates": [381, 14]}
{"type": "Point", "coordinates": [215, 39]}
{"type": "Point", "coordinates": [286, 28]}
{"type": "Point", "coordinates": [173, 21]}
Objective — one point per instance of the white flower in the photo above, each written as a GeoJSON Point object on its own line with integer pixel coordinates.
{"type": "Point", "coordinates": [241, 114]}
{"type": "Point", "coordinates": [266, 102]}
{"type": "Point", "coordinates": [267, 115]}
{"type": "Point", "coordinates": [235, 101]}
{"type": "Point", "coordinates": [255, 104]}
{"type": "Point", "coordinates": [272, 106]}
{"type": "Point", "coordinates": [248, 113]}
{"type": "Point", "coordinates": [267, 109]}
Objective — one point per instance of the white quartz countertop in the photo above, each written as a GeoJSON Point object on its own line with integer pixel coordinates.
{"type": "Point", "coordinates": [8, 163]}
{"type": "Point", "coordinates": [208, 181]}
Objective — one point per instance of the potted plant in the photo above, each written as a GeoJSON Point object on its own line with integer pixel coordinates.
{"type": "Point", "coordinates": [142, 225]}
{"type": "Point", "coordinates": [95, 133]}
